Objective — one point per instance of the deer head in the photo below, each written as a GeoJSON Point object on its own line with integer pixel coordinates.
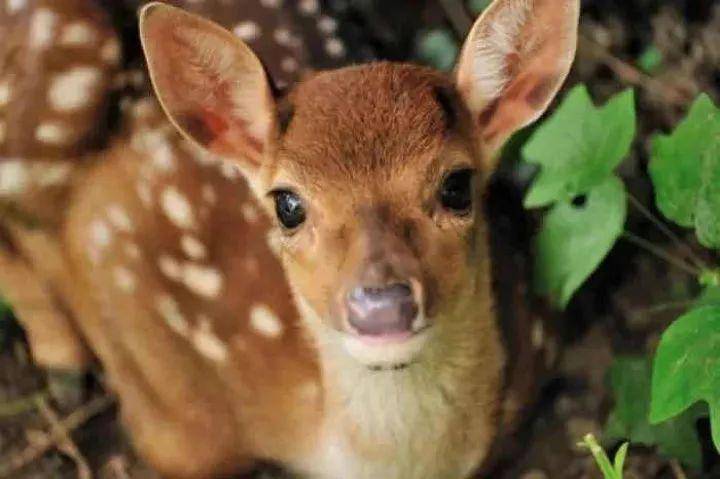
{"type": "Point", "coordinates": [373, 174]}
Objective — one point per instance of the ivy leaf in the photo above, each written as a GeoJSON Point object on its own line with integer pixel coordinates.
{"type": "Point", "coordinates": [687, 368]}
{"type": "Point", "coordinates": [575, 239]}
{"type": "Point", "coordinates": [709, 297]}
{"type": "Point", "coordinates": [630, 379]}
{"type": "Point", "coordinates": [685, 170]}
{"type": "Point", "coordinates": [707, 213]}
{"type": "Point", "coordinates": [579, 146]}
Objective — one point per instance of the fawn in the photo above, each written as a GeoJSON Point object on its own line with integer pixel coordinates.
{"type": "Point", "coordinates": [310, 279]}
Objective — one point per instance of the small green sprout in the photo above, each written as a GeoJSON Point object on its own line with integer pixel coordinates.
{"type": "Point", "coordinates": [609, 470]}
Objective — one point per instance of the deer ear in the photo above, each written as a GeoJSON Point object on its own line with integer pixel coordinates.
{"type": "Point", "coordinates": [211, 85]}
{"type": "Point", "coordinates": [514, 61]}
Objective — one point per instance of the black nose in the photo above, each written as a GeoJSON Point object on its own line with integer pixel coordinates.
{"type": "Point", "coordinates": [381, 311]}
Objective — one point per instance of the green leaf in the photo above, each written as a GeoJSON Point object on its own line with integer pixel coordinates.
{"type": "Point", "coordinates": [709, 297]}
{"type": "Point", "coordinates": [651, 59]}
{"type": "Point", "coordinates": [620, 457]}
{"type": "Point", "coordinates": [685, 170]}
{"type": "Point", "coordinates": [439, 49]}
{"type": "Point", "coordinates": [601, 458]}
{"type": "Point", "coordinates": [707, 213]}
{"type": "Point", "coordinates": [687, 368]}
{"type": "Point", "coordinates": [630, 379]}
{"type": "Point", "coordinates": [575, 239]}
{"type": "Point", "coordinates": [579, 146]}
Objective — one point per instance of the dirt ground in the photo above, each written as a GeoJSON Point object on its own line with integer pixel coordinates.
{"type": "Point", "coordinates": [615, 313]}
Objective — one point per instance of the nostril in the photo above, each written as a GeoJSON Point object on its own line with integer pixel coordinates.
{"type": "Point", "coordinates": [382, 310]}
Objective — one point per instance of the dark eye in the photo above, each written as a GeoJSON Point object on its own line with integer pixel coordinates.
{"type": "Point", "coordinates": [456, 192]}
{"type": "Point", "coordinates": [289, 209]}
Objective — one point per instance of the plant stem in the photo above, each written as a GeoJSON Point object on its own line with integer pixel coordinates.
{"type": "Point", "coordinates": [660, 253]}
{"type": "Point", "coordinates": [699, 263]}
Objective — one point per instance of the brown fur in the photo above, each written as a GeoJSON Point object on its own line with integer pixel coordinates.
{"type": "Point", "coordinates": [225, 337]}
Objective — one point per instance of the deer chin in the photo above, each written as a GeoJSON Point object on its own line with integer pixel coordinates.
{"type": "Point", "coordinates": [389, 352]}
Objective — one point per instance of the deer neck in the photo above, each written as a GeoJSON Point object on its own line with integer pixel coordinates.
{"type": "Point", "coordinates": [453, 377]}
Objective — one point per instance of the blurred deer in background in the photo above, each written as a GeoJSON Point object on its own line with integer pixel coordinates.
{"type": "Point", "coordinates": [310, 278]}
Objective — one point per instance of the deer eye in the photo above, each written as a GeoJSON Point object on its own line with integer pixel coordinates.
{"type": "Point", "coordinates": [456, 192]}
{"type": "Point", "coordinates": [289, 209]}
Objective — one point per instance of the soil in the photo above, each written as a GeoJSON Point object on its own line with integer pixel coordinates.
{"type": "Point", "coordinates": [614, 313]}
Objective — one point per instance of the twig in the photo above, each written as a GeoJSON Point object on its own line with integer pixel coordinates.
{"type": "Point", "coordinates": [677, 469]}
{"type": "Point", "coordinates": [10, 465]}
{"type": "Point", "coordinates": [64, 442]}
{"type": "Point", "coordinates": [699, 263]}
{"type": "Point", "coordinates": [660, 253]}
{"type": "Point", "coordinates": [629, 74]}
{"type": "Point", "coordinates": [457, 15]}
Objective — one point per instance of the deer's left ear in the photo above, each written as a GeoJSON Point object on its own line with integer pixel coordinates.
{"type": "Point", "coordinates": [513, 63]}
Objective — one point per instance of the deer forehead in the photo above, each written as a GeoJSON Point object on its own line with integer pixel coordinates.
{"type": "Point", "coordinates": [368, 120]}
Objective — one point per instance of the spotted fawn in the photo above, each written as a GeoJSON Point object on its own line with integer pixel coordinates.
{"type": "Point", "coordinates": [308, 276]}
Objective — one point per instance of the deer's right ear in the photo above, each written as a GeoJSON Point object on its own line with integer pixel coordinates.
{"type": "Point", "coordinates": [211, 85]}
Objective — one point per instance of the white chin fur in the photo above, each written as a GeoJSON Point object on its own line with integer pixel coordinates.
{"type": "Point", "coordinates": [385, 355]}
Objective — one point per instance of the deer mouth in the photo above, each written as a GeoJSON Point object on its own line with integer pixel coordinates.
{"type": "Point", "coordinates": [386, 352]}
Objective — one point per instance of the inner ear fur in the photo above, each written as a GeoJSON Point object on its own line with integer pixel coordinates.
{"type": "Point", "coordinates": [210, 83]}
{"type": "Point", "coordinates": [513, 63]}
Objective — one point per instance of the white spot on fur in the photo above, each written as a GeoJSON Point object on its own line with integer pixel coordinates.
{"type": "Point", "coordinates": [202, 280]}
{"type": "Point", "coordinates": [53, 133]}
{"type": "Point", "coordinates": [327, 25]}
{"type": "Point", "coordinates": [282, 36]}
{"type": "Point", "coordinates": [73, 89]}
{"type": "Point", "coordinates": [78, 34]}
{"type": "Point", "coordinates": [229, 170]}
{"type": "Point", "coordinates": [5, 92]}
{"type": "Point", "coordinates": [177, 208]}
{"type": "Point", "coordinates": [207, 343]}
{"type": "Point", "coordinates": [119, 218]}
{"type": "Point", "coordinates": [289, 65]}
{"type": "Point", "coordinates": [170, 267]}
{"type": "Point", "coordinates": [100, 233]}
{"type": "Point", "coordinates": [163, 157]}
{"type": "Point", "coordinates": [249, 212]}
{"type": "Point", "coordinates": [247, 31]}
{"type": "Point", "coordinates": [264, 322]}
{"type": "Point", "coordinates": [124, 279]}
{"type": "Point", "coordinates": [170, 312]}
{"type": "Point", "coordinates": [208, 194]}
{"type": "Point", "coordinates": [335, 47]}
{"type": "Point", "coordinates": [42, 28]}
{"type": "Point", "coordinates": [143, 108]}
{"type": "Point", "coordinates": [14, 177]}
{"type": "Point", "coordinates": [309, 7]}
{"type": "Point", "coordinates": [13, 6]}
{"type": "Point", "coordinates": [46, 175]}
{"type": "Point", "coordinates": [193, 248]}
{"type": "Point", "coordinates": [110, 52]}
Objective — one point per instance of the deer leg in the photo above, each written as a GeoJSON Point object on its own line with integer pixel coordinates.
{"type": "Point", "coordinates": [54, 340]}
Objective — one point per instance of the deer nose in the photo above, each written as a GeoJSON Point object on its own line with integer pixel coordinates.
{"type": "Point", "coordinates": [382, 311]}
